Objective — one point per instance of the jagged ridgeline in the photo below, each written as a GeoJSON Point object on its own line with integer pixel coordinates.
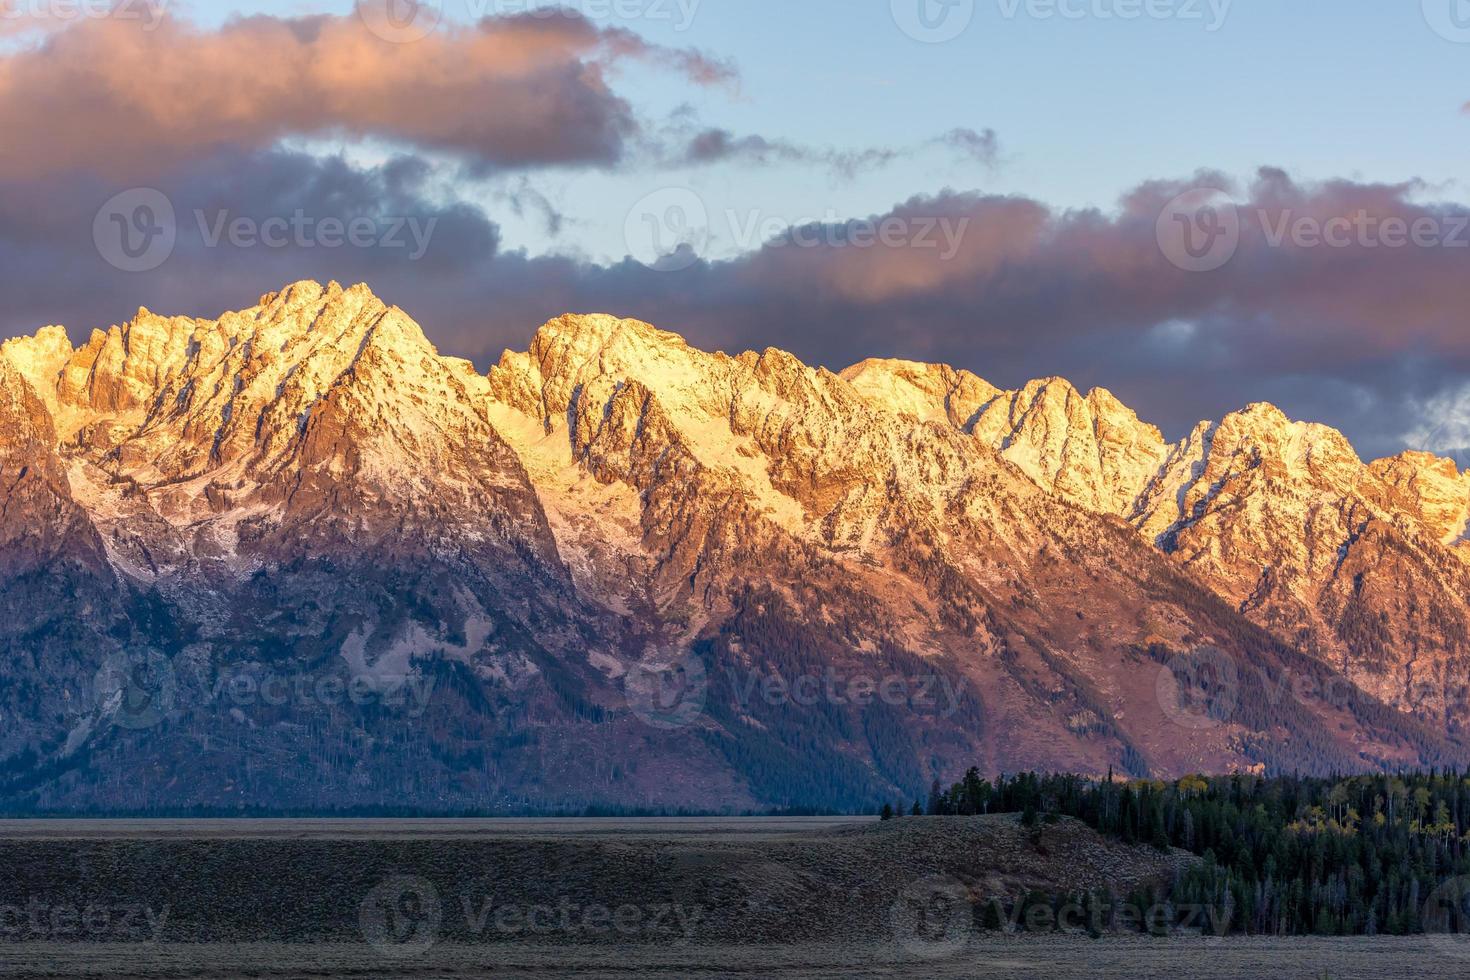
{"type": "Point", "coordinates": [295, 558]}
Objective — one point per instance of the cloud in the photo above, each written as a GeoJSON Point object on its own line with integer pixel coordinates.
{"type": "Point", "coordinates": [1371, 339]}
{"type": "Point", "coordinates": [1361, 335]}
{"type": "Point", "coordinates": [524, 200]}
{"type": "Point", "coordinates": [47, 237]}
{"type": "Point", "coordinates": [716, 145]}
{"type": "Point", "coordinates": [981, 147]}
{"type": "Point", "coordinates": [721, 145]}
{"type": "Point", "coordinates": [1443, 425]}
{"type": "Point", "coordinates": [509, 92]}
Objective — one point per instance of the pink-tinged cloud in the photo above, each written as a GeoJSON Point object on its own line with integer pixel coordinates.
{"type": "Point", "coordinates": [507, 92]}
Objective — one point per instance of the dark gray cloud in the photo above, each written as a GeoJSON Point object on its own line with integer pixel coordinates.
{"type": "Point", "coordinates": [1368, 337]}
{"type": "Point", "coordinates": [715, 145]}
{"type": "Point", "coordinates": [721, 146]}
{"type": "Point", "coordinates": [246, 223]}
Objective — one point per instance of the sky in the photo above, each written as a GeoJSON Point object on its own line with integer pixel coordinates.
{"type": "Point", "coordinates": [1003, 185]}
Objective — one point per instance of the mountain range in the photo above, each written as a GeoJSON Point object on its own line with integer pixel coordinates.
{"type": "Point", "coordinates": [295, 559]}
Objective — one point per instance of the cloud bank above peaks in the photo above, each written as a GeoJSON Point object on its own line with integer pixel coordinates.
{"type": "Point", "coordinates": [1365, 337]}
{"type": "Point", "coordinates": [507, 92]}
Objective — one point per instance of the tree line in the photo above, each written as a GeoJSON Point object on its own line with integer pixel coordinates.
{"type": "Point", "coordinates": [1281, 855]}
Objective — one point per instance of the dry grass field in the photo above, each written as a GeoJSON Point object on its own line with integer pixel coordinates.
{"type": "Point", "coordinates": [609, 898]}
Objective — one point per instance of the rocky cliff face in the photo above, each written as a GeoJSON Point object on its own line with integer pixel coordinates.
{"type": "Point", "coordinates": [1361, 565]}
{"type": "Point", "coordinates": [853, 582]}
